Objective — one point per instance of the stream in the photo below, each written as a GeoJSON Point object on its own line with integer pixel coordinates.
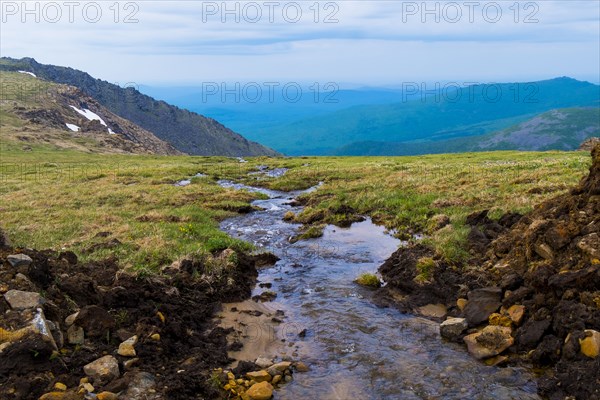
{"type": "Point", "coordinates": [355, 350]}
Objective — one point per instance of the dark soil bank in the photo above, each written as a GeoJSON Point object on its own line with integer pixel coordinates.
{"type": "Point", "coordinates": [177, 344]}
{"type": "Point", "coordinates": [545, 265]}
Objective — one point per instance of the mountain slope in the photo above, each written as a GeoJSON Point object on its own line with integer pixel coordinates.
{"type": "Point", "coordinates": [560, 129]}
{"type": "Point", "coordinates": [469, 111]}
{"type": "Point", "coordinates": [34, 111]}
{"type": "Point", "coordinates": [188, 132]}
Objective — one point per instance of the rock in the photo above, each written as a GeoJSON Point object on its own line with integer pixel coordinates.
{"type": "Point", "coordinates": [301, 367]}
{"type": "Point", "coordinates": [95, 321]}
{"type": "Point", "coordinates": [4, 241]}
{"type": "Point", "coordinates": [531, 333]}
{"type": "Point", "coordinates": [282, 366]}
{"type": "Point", "coordinates": [433, 310]}
{"type": "Point", "coordinates": [500, 320]}
{"type": "Point", "coordinates": [106, 396]}
{"type": "Point", "coordinates": [263, 362]}
{"type": "Point", "coordinates": [259, 376]}
{"type": "Point", "coordinates": [129, 364]}
{"type": "Point", "coordinates": [516, 313]}
{"type": "Point", "coordinates": [491, 341]}
{"type": "Point", "coordinates": [544, 251]}
{"type": "Point", "coordinates": [53, 396]}
{"type": "Point", "coordinates": [452, 328]}
{"type": "Point", "coordinates": [494, 361]}
{"type": "Point", "coordinates": [482, 303]}
{"type": "Point", "coordinates": [141, 387]}
{"type": "Point", "coordinates": [88, 387]}
{"type": "Point", "coordinates": [60, 386]}
{"type": "Point", "coordinates": [103, 370]}
{"type": "Point", "coordinates": [70, 320]}
{"type": "Point", "coordinates": [590, 346]}
{"type": "Point", "coordinates": [260, 391]}
{"type": "Point", "coordinates": [127, 349]}
{"type": "Point", "coordinates": [590, 245]}
{"type": "Point", "coordinates": [276, 379]}
{"type": "Point", "coordinates": [155, 337]}
{"type": "Point", "coordinates": [19, 300]}
{"type": "Point", "coordinates": [75, 335]}
{"type": "Point", "coordinates": [461, 304]}
{"type": "Point", "coordinates": [18, 260]}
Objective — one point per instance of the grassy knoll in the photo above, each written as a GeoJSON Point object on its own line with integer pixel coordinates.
{"type": "Point", "coordinates": [64, 199]}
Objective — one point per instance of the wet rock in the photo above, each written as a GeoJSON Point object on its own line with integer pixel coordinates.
{"type": "Point", "coordinates": [482, 303]}
{"type": "Point", "coordinates": [531, 332]}
{"type": "Point", "coordinates": [516, 313]}
{"type": "Point", "coordinates": [491, 341]}
{"type": "Point", "coordinates": [590, 346]}
{"type": "Point", "coordinates": [263, 362]}
{"type": "Point", "coordinates": [301, 367]}
{"type": "Point", "coordinates": [276, 379]}
{"type": "Point", "coordinates": [282, 366]}
{"type": "Point", "coordinates": [260, 391]}
{"type": "Point", "coordinates": [19, 300]}
{"type": "Point", "coordinates": [265, 296]}
{"type": "Point", "coordinates": [127, 348]}
{"type": "Point", "coordinates": [259, 376]}
{"type": "Point", "coordinates": [452, 328]}
{"type": "Point", "coordinates": [95, 321]}
{"type": "Point", "coordinates": [433, 310]}
{"type": "Point", "coordinates": [19, 260]}
{"type": "Point", "coordinates": [103, 370]}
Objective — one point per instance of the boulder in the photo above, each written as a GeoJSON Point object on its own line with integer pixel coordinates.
{"type": "Point", "coordinates": [590, 345]}
{"type": "Point", "coordinates": [452, 328]}
{"type": "Point", "coordinates": [301, 367]}
{"type": "Point", "coordinates": [260, 391]}
{"type": "Point", "coordinates": [20, 300]}
{"type": "Point", "coordinates": [531, 333]}
{"type": "Point", "coordinates": [482, 303]}
{"type": "Point", "coordinates": [282, 366]}
{"type": "Point", "coordinates": [103, 370]}
{"type": "Point", "coordinates": [19, 260]}
{"type": "Point", "coordinates": [490, 342]}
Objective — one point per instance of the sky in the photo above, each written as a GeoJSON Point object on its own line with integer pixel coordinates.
{"type": "Point", "coordinates": [366, 42]}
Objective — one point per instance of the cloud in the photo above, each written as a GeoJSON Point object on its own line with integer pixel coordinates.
{"type": "Point", "coordinates": [384, 38]}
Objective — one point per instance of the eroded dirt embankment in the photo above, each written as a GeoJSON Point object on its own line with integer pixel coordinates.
{"type": "Point", "coordinates": [540, 275]}
{"type": "Point", "coordinates": [175, 347]}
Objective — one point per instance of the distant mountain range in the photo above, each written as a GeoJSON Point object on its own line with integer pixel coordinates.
{"type": "Point", "coordinates": [391, 122]}
{"type": "Point", "coordinates": [187, 131]}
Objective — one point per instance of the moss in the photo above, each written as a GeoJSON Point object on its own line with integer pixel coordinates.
{"type": "Point", "coordinates": [367, 279]}
{"type": "Point", "coordinates": [425, 268]}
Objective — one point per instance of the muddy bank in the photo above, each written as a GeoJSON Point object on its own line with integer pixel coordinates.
{"type": "Point", "coordinates": [531, 292]}
{"type": "Point", "coordinates": [171, 343]}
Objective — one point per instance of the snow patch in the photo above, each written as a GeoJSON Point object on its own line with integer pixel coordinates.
{"type": "Point", "coordinates": [28, 73]}
{"type": "Point", "coordinates": [72, 127]}
{"type": "Point", "coordinates": [111, 131]}
{"type": "Point", "coordinates": [90, 115]}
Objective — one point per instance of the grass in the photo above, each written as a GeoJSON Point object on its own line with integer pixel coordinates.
{"type": "Point", "coordinates": [62, 199]}
{"type": "Point", "coordinates": [370, 280]}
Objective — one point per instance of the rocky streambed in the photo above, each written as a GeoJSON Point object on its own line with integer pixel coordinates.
{"type": "Point", "coordinates": [306, 308]}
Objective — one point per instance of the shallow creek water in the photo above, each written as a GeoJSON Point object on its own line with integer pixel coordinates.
{"type": "Point", "coordinates": [355, 350]}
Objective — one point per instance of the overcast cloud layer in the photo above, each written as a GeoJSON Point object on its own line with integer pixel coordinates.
{"type": "Point", "coordinates": [349, 42]}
